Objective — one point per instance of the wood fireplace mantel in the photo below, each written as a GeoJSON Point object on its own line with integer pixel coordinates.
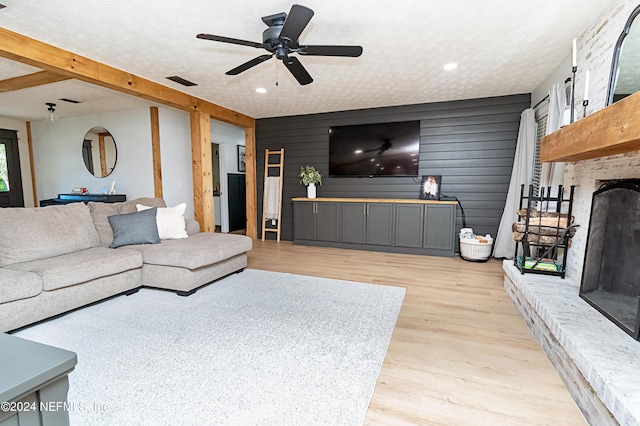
{"type": "Point", "coordinates": [612, 130]}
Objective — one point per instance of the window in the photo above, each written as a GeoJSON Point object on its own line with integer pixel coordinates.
{"type": "Point", "coordinates": [4, 170]}
{"type": "Point", "coordinates": [10, 175]}
{"type": "Point", "coordinates": [541, 111]}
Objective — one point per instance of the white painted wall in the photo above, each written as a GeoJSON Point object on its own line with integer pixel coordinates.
{"type": "Point", "coordinates": [58, 154]}
{"type": "Point", "coordinates": [595, 53]}
{"type": "Point", "coordinates": [59, 166]}
{"type": "Point", "coordinates": [175, 151]}
{"type": "Point", "coordinates": [228, 137]}
{"type": "Point", "coordinates": [559, 75]}
{"type": "Point", "coordinates": [23, 149]}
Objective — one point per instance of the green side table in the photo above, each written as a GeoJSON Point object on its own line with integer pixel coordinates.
{"type": "Point", "coordinates": [33, 383]}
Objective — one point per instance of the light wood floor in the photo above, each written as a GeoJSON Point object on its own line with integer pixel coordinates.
{"type": "Point", "coordinates": [460, 352]}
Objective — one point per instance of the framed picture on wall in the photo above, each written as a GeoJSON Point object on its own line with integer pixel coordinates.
{"type": "Point", "coordinates": [242, 159]}
{"type": "Point", "coordinates": [430, 187]}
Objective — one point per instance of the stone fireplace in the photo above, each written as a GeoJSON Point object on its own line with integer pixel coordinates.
{"type": "Point", "coordinates": [598, 362]}
{"type": "Point", "coordinates": [611, 278]}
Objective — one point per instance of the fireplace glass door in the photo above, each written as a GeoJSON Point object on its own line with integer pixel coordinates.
{"type": "Point", "coordinates": [611, 272]}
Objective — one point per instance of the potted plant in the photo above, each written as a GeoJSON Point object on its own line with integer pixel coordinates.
{"type": "Point", "coordinates": [309, 176]}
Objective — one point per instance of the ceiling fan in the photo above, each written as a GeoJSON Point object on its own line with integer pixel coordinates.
{"type": "Point", "coordinates": [281, 39]}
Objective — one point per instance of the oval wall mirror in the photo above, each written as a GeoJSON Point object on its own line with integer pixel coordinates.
{"type": "Point", "coordinates": [99, 152]}
{"type": "Point", "coordinates": [625, 68]}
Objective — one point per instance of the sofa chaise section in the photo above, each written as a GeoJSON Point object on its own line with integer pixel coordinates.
{"type": "Point", "coordinates": [186, 264]}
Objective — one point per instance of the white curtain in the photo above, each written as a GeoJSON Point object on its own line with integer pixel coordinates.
{"type": "Point", "coordinates": [552, 174]}
{"type": "Point", "coordinates": [521, 174]}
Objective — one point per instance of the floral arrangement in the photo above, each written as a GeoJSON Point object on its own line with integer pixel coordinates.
{"type": "Point", "coordinates": [309, 174]}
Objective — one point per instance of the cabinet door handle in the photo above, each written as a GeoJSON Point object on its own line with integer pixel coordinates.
{"type": "Point", "coordinates": [364, 210]}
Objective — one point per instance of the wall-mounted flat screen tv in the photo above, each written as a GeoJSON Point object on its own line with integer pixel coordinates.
{"type": "Point", "coordinates": [381, 149]}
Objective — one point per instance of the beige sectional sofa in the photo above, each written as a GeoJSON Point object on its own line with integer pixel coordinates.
{"type": "Point", "coordinates": [57, 258]}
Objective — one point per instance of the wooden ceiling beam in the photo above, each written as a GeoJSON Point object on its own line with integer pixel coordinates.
{"type": "Point", "coordinates": [33, 52]}
{"type": "Point", "coordinates": [31, 80]}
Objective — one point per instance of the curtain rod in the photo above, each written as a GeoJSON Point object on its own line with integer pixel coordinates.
{"type": "Point", "coordinates": [541, 101]}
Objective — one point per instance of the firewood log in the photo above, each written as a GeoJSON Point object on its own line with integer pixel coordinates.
{"type": "Point", "coordinates": [552, 219]}
{"type": "Point", "coordinates": [541, 230]}
{"type": "Point", "coordinates": [539, 239]}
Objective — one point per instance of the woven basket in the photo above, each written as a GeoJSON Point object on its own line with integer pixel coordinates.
{"type": "Point", "coordinates": [473, 250]}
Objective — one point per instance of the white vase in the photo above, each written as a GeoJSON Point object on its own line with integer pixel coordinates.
{"type": "Point", "coordinates": [311, 190]}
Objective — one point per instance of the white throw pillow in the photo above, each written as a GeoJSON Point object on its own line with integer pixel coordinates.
{"type": "Point", "coordinates": [170, 221]}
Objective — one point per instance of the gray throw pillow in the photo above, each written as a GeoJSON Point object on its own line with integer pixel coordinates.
{"type": "Point", "coordinates": [134, 228]}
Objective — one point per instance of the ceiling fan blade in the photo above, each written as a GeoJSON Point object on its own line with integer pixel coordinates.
{"type": "Point", "coordinates": [249, 64]}
{"type": "Point", "coordinates": [298, 71]}
{"type": "Point", "coordinates": [351, 51]}
{"type": "Point", "coordinates": [229, 40]}
{"type": "Point", "coordinates": [297, 20]}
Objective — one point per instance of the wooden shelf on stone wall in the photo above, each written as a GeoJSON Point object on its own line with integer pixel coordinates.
{"type": "Point", "coordinates": [612, 130]}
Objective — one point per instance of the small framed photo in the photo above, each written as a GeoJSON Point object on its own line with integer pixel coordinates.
{"type": "Point", "coordinates": [242, 159]}
{"type": "Point", "coordinates": [430, 187]}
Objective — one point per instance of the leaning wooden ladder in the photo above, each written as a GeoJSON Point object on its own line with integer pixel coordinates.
{"type": "Point", "coordinates": [267, 166]}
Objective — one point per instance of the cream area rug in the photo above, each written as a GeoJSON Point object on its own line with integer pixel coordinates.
{"type": "Point", "coordinates": [255, 348]}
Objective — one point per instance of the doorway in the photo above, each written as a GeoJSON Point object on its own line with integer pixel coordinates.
{"type": "Point", "coordinates": [10, 175]}
{"type": "Point", "coordinates": [215, 175]}
{"type": "Point", "coordinates": [237, 203]}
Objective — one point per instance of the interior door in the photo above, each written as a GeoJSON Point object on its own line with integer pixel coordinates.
{"type": "Point", "coordinates": [237, 201]}
{"type": "Point", "coordinates": [10, 176]}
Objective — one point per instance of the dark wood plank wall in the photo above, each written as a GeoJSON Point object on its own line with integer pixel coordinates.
{"type": "Point", "coordinates": [471, 143]}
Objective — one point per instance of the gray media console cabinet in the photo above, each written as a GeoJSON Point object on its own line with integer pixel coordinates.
{"type": "Point", "coordinates": [391, 225]}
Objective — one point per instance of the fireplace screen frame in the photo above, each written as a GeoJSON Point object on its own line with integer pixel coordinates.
{"type": "Point", "coordinates": [605, 296]}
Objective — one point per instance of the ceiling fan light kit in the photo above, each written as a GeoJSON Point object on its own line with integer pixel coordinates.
{"type": "Point", "coordinates": [280, 39]}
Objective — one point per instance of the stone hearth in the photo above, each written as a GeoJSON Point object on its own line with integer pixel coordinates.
{"type": "Point", "coordinates": [597, 361]}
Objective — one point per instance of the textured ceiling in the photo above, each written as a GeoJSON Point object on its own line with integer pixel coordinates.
{"type": "Point", "coordinates": [502, 47]}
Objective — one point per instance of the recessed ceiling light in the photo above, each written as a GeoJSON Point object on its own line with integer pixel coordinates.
{"type": "Point", "coordinates": [261, 90]}
{"type": "Point", "coordinates": [358, 151]}
{"type": "Point", "coordinates": [450, 66]}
